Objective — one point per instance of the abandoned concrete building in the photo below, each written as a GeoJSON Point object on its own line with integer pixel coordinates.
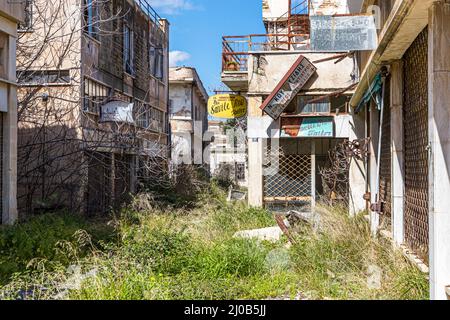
{"type": "Point", "coordinates": [93, 96]}
{"type": "Point", "coordinates": [228, 154]}
{"type": "Point", "coordinates": [11, 14]}
{"type": "Point", "coordinates": [188, 102]}
{"type": "Point", "coordinates": [254, 65]}
{"type": "Point", "coordinates": [408, 124]}
{"type": "Point", "coordinates": [392, 100]}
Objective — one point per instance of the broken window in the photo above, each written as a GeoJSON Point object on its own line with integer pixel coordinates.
{"type": "Point", "coordinates": [27, 23]}
{"type": "Point", "coordinates": [306, 107]}
{"type": "Point", "coordinates": [157, 120]}
{"type": "Point", "coordinates": [94, 96]}
{"type": "Point", "coordinates": [43, 77]}
{"type": "Point", "coordinates": [240, 171]}
{"type": "Point", "coordinates": [91, 18]}
{"type": "Point", "coordinates": [128, 48]}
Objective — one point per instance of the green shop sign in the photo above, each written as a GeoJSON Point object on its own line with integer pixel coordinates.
{"type": "Point", "coordinates": [307, 127]}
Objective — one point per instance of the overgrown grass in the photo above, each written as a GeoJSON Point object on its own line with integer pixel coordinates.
{"type": "Point", "coordinates": [158, 252]}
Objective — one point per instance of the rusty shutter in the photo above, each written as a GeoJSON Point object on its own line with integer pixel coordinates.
{"type": "Point", "coordinates": [385, 160]}
{"type": "Point", "coordinates": [416, 142]}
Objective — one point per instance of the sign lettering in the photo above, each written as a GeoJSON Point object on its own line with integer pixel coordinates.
{"type": "Point", "coordinates": [289, 87]}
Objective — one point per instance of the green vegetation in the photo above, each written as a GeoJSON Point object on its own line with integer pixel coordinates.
{"type": "Point", "coordinates": [152, 251]}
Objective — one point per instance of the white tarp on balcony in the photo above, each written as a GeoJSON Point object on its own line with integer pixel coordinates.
{"type": "Point", "coordinates": [117, 111]}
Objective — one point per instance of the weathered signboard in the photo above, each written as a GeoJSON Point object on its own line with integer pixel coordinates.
{"type": "Point", "coordinates": [343, 33]}
{"type": "Point", "coordinates": [309, 127]}
{"type": "Point", "coordinates": [227, 106]}
{"type": "Point", "coordinates": [289, 87]}
{"type": "Point", "coordinates": [117, 111]}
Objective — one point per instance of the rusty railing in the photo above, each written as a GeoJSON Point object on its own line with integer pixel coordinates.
{"type": "Point", "coordinates": [295, 23]}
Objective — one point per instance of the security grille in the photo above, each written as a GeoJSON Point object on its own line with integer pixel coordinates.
{"type": "Point", "coordinates": [287, 176]}
{"type": "Point", "coordinates": [416, 142]}
{"type": "Point", "coordinates": [385, 163]}
{"type": "Point", "coordinates": [99, 183]}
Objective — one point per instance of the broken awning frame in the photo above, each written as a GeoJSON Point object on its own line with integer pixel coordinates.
{"type": "Point", "coordinates": [374, 91]}
{"type": "Point", "coordinates": [377, 90]}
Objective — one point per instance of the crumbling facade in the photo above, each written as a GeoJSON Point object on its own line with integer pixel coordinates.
{"type": "Point", "coordinates": [408, 177]}
{"type": "Point", "coordinates": [11, 14]}
{"type": "Point", "coordinates": [228, 153]}
{"type": "Point", "coordinates": [188, 102]}
{"type": "Point", "coordinates": [287, 154]}
{"type": "Point", "coordinates": [93, 98]}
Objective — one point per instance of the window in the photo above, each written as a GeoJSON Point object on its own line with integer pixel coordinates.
{"type": "Point", "coordinates": [43, 77]}
{"type": "Point", "coordinates": [128, 46]}
{"type": "Point", "coordinates": [159, 72]}
{"type": "Point", "coordinates": [91, 18]}
{"type": "Point", "coordinates": [156, 62]}
{"type": "Point", "coordinates": [27, 24]}
{"type": "Point", "coordinates": [94, 96]}
{"type": "Point", "coordinates": [141, 114]}
{"type": "Point", "coordinates": [156, 120]}
{"type": "Point", "coordinates": [240, 171]}
{"type": "Point", "coordinates": [304, 107]}
{"type": "Point", "coordinates": [4, 39]}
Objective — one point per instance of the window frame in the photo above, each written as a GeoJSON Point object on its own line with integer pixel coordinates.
{"type": "Point", "coordinates": [91, 19]}
{"type": "Point", "coordinates": [128, 49]}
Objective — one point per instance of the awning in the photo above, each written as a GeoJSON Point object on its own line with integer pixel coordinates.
{"type": "Point", "coordinates": [373, 91]}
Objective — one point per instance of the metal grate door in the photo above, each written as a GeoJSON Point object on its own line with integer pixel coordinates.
{"type": "Point", "coordinates": [290, 180]}
{"type": "Point", "coordinates": [416, 142]}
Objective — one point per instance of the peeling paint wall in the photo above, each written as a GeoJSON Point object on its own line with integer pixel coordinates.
{"type": "Point", "coordinates": [180, 96]}
{"type": "Point", "coordinates": [329, 7]}
{"type": "Point", "coordinates": [273, 9]}
{"type": "Point", "coordinates": [267, 70]}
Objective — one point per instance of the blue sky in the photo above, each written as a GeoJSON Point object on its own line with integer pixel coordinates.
{"type": "Point", "coordinates": [197, 27]}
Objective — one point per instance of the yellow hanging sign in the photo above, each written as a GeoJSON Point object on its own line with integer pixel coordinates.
{"type": "Point", "coordinates": [227, 106]}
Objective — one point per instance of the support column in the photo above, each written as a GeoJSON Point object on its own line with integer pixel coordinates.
{"type": "Point", "coordinates": [357, 173]}
{"type": "Point", "coordinates": [313, 174]}
{"type": "Point", "coordinates": [397, 156]}
{"type": "Point", "coordinates": [439, 131]}
{"type": "Point", "coordinates": [255, 158]}
{"type": "Point", "coordinates": [255, 173]}
{"type": "Point", "coordinates": [9, 212]}
{"type": "Point", "coordinates": [374, 134]}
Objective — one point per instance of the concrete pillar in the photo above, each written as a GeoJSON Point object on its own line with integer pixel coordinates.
{"type": "Point", "coordinates": [313, 174]}
{"type": "Point", "coordinates": [397, 156]}
{"type": "Point", "coordinates": [9, 212]}
{"type": "Point", "coordinates": [357, 174]}
{"type": "Point", "coordinates": [373, 163]}
{"type": "Point", "coordinates": [255, 174]}
{"type": "Point", "coordinates": [255, 159]}
{"type": "Point", "coordinates": [439, 131]}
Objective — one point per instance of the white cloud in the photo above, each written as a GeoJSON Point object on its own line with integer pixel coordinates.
{"type": "Point", "coordinates": [172, 6]}
{"type": "Point", "coordinates": [175, 57]}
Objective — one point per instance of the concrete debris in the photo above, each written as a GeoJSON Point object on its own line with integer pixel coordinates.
{"type": "Point", "coordinates": [310, 218]}
{"type": "Point", "coordinates": [272, 234]}
{"type": "Point", "coordinates": [236, 195]}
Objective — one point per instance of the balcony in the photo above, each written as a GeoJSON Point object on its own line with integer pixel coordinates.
{"type": "Point", "coordinates": [13, 10]}
{"type": "Point", "coordinates": [148, 10]}
{"type": "Point", "coordinates": [288, 32]}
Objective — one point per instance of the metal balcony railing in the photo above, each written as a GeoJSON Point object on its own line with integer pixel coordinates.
{"type": "Point", "coordinates": [295, 36]}
{"type": "Point", "coordinates": [145, 6]}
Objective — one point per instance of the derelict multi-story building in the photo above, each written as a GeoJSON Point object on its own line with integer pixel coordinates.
{"type": "Point", "coordinates": [93, 99]}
